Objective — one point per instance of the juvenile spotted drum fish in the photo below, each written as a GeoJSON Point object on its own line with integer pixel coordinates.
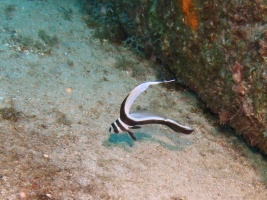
{"type": "Point", "coordinates": [135, 120]}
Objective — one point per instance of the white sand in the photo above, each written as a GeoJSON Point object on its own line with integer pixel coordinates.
{"type": "Point", "coordinates": [57, 145]}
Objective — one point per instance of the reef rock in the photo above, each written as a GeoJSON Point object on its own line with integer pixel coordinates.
{"type": "Point", "coordinates": [218, 48]}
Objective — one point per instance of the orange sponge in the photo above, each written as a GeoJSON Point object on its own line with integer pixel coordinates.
{"type": "Point", "coordinates": [190, 14]}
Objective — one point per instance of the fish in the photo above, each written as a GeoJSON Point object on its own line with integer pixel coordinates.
{"type": "Point", "coordinates": [128, 121]}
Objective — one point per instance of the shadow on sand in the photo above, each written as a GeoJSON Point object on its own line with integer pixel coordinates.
{"type": "Point", "coordinates": [125, 142]}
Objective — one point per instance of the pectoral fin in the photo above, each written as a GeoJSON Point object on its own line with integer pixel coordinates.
{"type": "Point", "coordinates": [135, 127]}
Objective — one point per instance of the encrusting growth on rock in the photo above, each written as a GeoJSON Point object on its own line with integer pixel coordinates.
{"type": "Point", "coordinates": [190, 14]}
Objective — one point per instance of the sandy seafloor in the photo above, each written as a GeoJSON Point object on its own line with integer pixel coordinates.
{"type": "Point", "coordinates": [57, 100]}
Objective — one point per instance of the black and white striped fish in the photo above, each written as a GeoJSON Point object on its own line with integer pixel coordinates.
{"type": "Point", "coordinates": [128, 120]}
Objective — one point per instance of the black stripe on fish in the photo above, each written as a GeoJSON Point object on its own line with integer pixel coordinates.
{"type": "Point", "coordinates": [129, 120]}
{"type": "Point", "coordinates": [114, 128]}
{"type": "Point", "coordinates": [121, 126]}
